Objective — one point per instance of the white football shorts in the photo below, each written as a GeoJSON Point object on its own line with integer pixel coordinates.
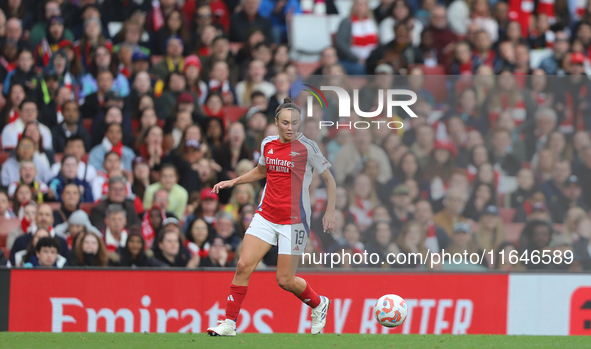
{"type": "Point", "coordinates": [290, 238]}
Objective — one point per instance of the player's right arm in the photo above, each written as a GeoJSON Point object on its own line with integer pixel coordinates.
{"type": "Point", "coordinates": [254, 175]}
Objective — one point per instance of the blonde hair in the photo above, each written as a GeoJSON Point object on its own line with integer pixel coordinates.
{"type": "Point", "coordinates": [400, 241]}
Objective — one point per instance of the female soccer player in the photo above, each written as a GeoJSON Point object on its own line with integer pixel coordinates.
{"type": "Point", "coordinates": [283, 216]}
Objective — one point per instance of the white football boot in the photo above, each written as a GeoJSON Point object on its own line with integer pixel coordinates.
{"type": "Point", "coordinates": [225, 328]}
{"type": "Point", "coordinates": [319, 315]}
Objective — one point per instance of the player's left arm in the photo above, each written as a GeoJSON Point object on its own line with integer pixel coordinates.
{"type": "Point", "coordinates": [328, 221]}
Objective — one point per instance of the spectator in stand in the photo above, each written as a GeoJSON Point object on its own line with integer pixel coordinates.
{"type": "Point", "coordinates": [535, 202]}
{"type": "Point", "coordinates": [94, 102]}
{"type": "Point", "coordinates": [68, 175]}
{"type": "Point", "coordinates": [103, 60]}
{"type": "Point", "coordinates": [114, 234]}
{"type": "Point", "coordinates": [254, 81]}
{"type": "Point", "coordinates": [26, 214]}
{"type": "Point", "coordinates": [11, 110]}
{"type": "Point", "coordinates": [525, 186]}
{"type": "Point", "coordinates": [77, 224]}
{"type": "Point", "coordinates": [24, 151]}
{"type": "Point", "coordinates": [436, 237]}
{"type": "Point", "coordinates": [43, 220]}
{"type": "Point", "coordinates": [454, 204]}
{"type": "Point", "coordinates": [170, 251]}
{"type": "Point", "coordinates": [582, 246]}
{"type": "Point", "coordinates": [217, 256]}
{"type": "Point", "coordinates": [113, 113]}
{"type": "Point", "coordinates": [117, 194]}
{"type": "Point", "coordinates": [71, 126]}
{"type": "Point", "coordinates": [583, 172]}
{"type": "Point", "coordinates": [483, 196]}
{"type": "Point", "coordinates": [28, 113]}
{"type": "Point", "coordinates": [400, 201]}
{"type": "Point", "coordinates": [380, 242]}
{"type": "Point", "coordinates": [90, 251]}
{"type": "Point", "coordinates": [173, 60]}
{"type": "Point", "coordinates": [225, 230]}
{"type": "Point", "coordinates": [70, 201]}
{"type": "Point", "coordinates": [356, 38]}
{"type": "Point", "coordinates": [552, 189]}
{"type": "Point", "coordinates": [5, 210]}
{"type": "Point", "coordinates": [23, 74]}
{"type": "Point", "coordinates": [111, 142]}
{"type": "Point", "coordinates": [75, 147]}
{"type": "Point", "coordinates": [500, 157]}
{"type": "Point", "coordinates": [178, 196]}
{"type": "Point", "coordinates": [350, 157]}
{"type": "Point", "coordinates": [535, 238]}
{"type": "Point", "coordinates": [141, 177]}
{"type": "Point", "coordinates": [571, 197]}
{"type": "Point", "coordinates": [247, 20]}
{"type": "Point", "coordinates": [28, 176]}
{"type": "Point", "coordinates": [134, 253]}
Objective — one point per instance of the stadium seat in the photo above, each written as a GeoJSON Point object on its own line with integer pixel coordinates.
{"type": "Point", "coordinates": [310, 34]}
{"type": "Point", "coordinates": [88, 124]}
{"type": "Point", "coordinates": [513, 231]}
{"type": "Point", "coordinates": [87, 206]}
{"type": "Point", "coordinates": [233, 113]}
{"type": "Point", "coordinates": [84, 158]}
{"type": "Point", "coordinates": [507, 214]}
{"type": "Point", "coordinates": [54, 205]}
{"type": "Point", "coordinates": [6, 225]}
{"type": "Point", "coordinates": [436, 81]}
{"type": "Point", "coordinates": [3, 156]}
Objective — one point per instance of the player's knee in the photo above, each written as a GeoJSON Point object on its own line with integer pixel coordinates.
{"type": "Point", "coordinates": [242, 267]}
{"type": "Point", "coordinates": [285, 282]}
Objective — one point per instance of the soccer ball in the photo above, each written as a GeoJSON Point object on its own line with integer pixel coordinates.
{"type": "Point", "coordinates": [390, 310]}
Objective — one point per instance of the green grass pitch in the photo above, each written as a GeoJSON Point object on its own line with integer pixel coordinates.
{"type": "Point", "coordinates": [281, 340]}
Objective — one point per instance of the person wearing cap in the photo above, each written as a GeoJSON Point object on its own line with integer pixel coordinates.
{"type": "Point", "coordinates": [571, 196]}
{"type": "Point", "coordinates": [462, 240]}
{"type": "Point", "coordinates": [206, 209]}
{"type": "Point", "coordinates": [51, 8]}
{"type": "Point", "coordinates": [400, 200]}
{"type": "Point", "coordinates": [454, 203]}
{"type": "Point", "coordinates": [192, 71]}
{"type": "Point", "coordinates": [173, 60]}
{"type": "Point", "coordinates": [177, 195]}
{"type": "Point", "coordinates": [117, 194]}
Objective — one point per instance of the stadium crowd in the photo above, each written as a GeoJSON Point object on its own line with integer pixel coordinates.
{"type": "Point", "coordinates": [119, 116]}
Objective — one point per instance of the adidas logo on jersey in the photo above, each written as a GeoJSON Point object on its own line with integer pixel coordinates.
{"type": "Point", "coordinates": [297, 248]}
{"type": "Point", "coordinates": [293, 153]}
{"type": "Point", "coordinates": [230, 298]}
{"type": "Point", "coordinates": [270, 151]}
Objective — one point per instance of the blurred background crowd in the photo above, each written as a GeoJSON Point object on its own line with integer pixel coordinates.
{"type": "Point", "coordinates": [119, 116]}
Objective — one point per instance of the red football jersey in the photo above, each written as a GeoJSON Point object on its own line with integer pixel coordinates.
{"type": "Point", "coordinates": [286, 197]}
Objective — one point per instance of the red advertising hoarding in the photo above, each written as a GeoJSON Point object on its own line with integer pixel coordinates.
{"type": "Point", "coordinates": [191, 301]}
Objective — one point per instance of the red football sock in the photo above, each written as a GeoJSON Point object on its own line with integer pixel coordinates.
{"type": "Point", "coordinates": [309, 297]}
{"type": "Point", "coordinates": [237, 294]}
